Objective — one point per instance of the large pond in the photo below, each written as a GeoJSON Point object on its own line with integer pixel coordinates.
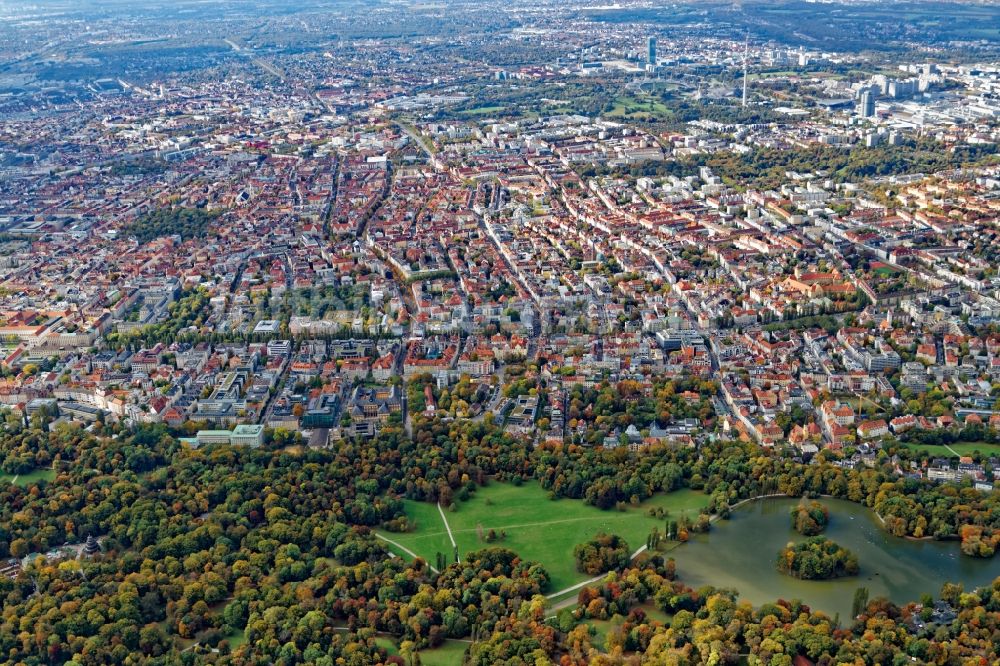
{"type": "Point", "coordinates": [740, 553]}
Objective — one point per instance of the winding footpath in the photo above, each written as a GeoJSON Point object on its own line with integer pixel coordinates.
{"type": "Point", "coordinates": [404, 549]}
{"type": "Point", "coordinates": [572, 588]}
{"type": "Point", "coordinates": [451, 537]}
{"type": "Point", "coordinates": [752, 499]}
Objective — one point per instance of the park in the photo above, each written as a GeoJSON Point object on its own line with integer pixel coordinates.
{"type": "Point", "coordinates": [524, 519]}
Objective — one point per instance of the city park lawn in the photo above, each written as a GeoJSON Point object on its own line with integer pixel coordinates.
{"type": "Point", "coordinates": [600, 629]}
{"type": "Point", "coordinates": [630, 106]}
{"type": "Point", "coordinates": [962, 448]}
{"type": "Point", "coordinates": [387, 644]}
{"type": "Point", "coordinates": [449, 653]}
{"type": "Point", "coordinates": [25, 480]}
{"type": "Point", "coordinates": [770, 75]}
{"type": "Point", "coordinates": [603, 627]}
{"type": "Point", "coordinates": [537, 528]}
{"type": "Point", "coordinates": [483, 110]}
{"type": "Point", "coordinates": [236, 638]}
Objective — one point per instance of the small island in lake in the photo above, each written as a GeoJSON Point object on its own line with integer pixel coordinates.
{"type": "Point", "coordinates": [817, 558]}
{"type": "Point", "coordinates": [809, 519]}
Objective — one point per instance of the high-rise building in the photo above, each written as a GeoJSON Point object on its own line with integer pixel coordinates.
{"type": "Point", "coordinates": [901, 89]}
{"type": "Point", "coordinates": [651, 47]}
{"type": "Point", "coordinates": [866, 105]}
{"type": "Point", "coordinates": [746, 58]}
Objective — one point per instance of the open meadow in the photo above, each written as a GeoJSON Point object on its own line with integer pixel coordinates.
{"type": "Point", "coordinates": [536, 527]}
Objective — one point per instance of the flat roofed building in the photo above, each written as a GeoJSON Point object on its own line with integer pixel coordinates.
{"type": "Point", "coordinates": [266, 326]}
{"type": "Point", "coordinates": [241, 435]}
{"type": "Point", "coordinates": [213, 437]}
{"type": "Point", "coordinates": [247, 434]}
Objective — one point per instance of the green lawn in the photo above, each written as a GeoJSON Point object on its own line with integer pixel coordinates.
{"type": "Point", "coordinates": [968, 448]}
{"type": "Point", "coordinates": [449, 653]}
{"type": "Point", "coordinates": [601, 629]}
{"type": "Point", "coordinates": [236, 638]}
{"type": "Point", "coordinates": [963, 449]}
{"type": "Point", "coordinates": [769, 75]}
{"type": "Point", "coordinates": [885, 271]}
{"type": "Point", "coordinates": [482, 111]}
{"type": "Point", "coordinates": [654, 613]}
{"type": "Point", "coordinates": [428, 538]}
{"type": "Point", "coordinates": [387, 644]}
{"type": "Point", "coordinates": [537, 528]}
{"type": "Point", "coordinates": [629, 106]}
{"type": "Point", "coordinates": [25, 480]}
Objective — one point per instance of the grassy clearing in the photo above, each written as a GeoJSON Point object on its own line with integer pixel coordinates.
{"type": "Point", "coordinates": [654, 613]}
{"type": "Point", "coordinates": [483, 111]}
{"type": "Point", "coordinates": [885, 271]}
{"type": "Point", "coordinates": [236, 638]}
{"type": "Point", "coordinates": [387, 644]}
{"type": "Point", "coordinates": [963, 449]}
{"type": "Point", "coordinates": [601, 629]}
{"type": "Point", "coordinates": [628, 106]}
{"type": "Point", "coordinates": [537, 528]}
{"type": "Point", "coordinates": [968, 448]}
{"type": "Point", "coordinates": [429, 537]}
{"type": "Point", "coordinates": [25, 480]}
{"type": "Point", "coordinates": [449, 653]}
{"type": "Point", "coordinates": [771, 75]}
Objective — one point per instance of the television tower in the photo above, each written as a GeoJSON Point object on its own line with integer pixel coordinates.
{"type": "Point", "coordinates": [746, 55]}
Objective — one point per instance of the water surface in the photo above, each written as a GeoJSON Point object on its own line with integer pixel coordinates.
{"type": "Point", "coordinates": [740, 553]}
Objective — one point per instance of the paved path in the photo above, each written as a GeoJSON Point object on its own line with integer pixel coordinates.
{"type": "Point", "coordinates": [451, 537]}
{"type": "Point", "coordinates": [521, 525]}
{"type": "Point", "coordinates": [404, 549]}
{"type": "Point", "coordinates": [573, 588]}
{"type": "Point", "coordinates": [750, 499]}
{"type": "Point", "coordinates": [570, 601]}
